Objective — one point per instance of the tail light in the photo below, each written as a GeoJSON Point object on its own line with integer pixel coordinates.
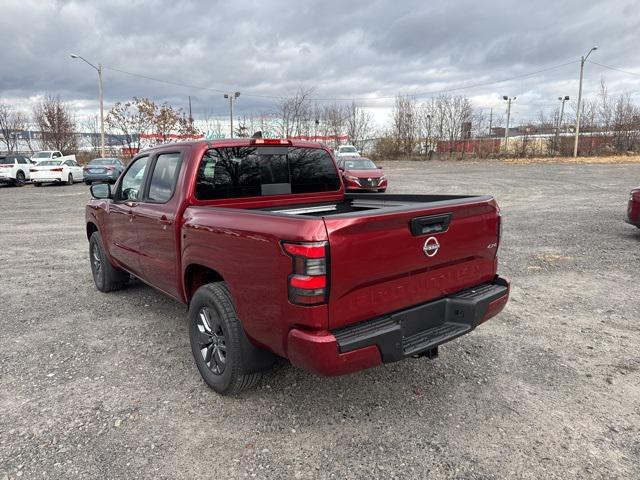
{"type": "Point", "coordinates": [32, 170]}
{"type": "Point", "coordinates": [56, 169]}
{"type": "Point", "coordinates": [6, 166]}
{"type": "Point", "coordinates": [111, 168]}
{"type": "Point", "coordinates": [308, 282]}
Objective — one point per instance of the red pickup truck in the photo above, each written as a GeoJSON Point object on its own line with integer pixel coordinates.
{"type": "Point", "coordinates": [274, 259]}
{"type": "Point", "coordinates": [633, 208]}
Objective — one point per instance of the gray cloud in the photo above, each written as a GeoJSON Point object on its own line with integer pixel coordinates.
{"type": "Point", "coordinates": [344, 49]}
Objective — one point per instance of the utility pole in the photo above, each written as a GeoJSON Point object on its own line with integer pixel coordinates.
{"type": "Point", "coordinates": [506, 130]}
{"type": "Point", "coordinates": [101, 95]}
{"type": "Point", "coordinates": [190, 116]}
{"type": "Point", "coordinates": [582, 61]}
{"type": "Point", "coordinates": [562, 99]}
{"type": "Point", "coordinates": [428, 140]}
{"type": "Point", "coordinates": [490, 120]}
{"type": "Point", "coordinates": [231, 97]}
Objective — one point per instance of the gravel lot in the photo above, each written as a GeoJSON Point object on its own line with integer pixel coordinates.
{"type": "Point", "coordinates": [104, 386]}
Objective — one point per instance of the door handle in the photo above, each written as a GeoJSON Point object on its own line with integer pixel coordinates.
{"type": "Point", "coordinates": [164, 221]}
{"type": "Point", "coordinates": [429, 225]}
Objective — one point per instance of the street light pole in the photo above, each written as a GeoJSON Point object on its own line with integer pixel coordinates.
{"type": "Point", "coordinates": [562, 99]}
{"type": "Point", "coordinates": [582, 61]}
{"type": "Point", "coordinates": [101, 95]}
{"type": "Point", "coordinates": [231, 97]}
{"type": "Point", "coordinates": [506, 130]}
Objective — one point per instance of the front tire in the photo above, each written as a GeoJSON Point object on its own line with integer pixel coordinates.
{"type": "Point", "coordinates": [70, 180]}
{"type": "Point", "coordinates": [225, 357]}
{"type": "Point", "coordinates": [106, 277]}
{"type": "Point", "coordinates": [19, 181]}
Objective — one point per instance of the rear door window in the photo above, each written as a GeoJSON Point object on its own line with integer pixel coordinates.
{"type": "Point", "coordinates": [164, 177]}
{"type": "Point", "coordinates": [253, 171]}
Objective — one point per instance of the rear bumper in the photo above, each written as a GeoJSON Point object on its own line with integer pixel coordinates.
{"type": "Point", "coordinates": [100, 177]}
{"type": "Point", "coordinates": [403, 334]}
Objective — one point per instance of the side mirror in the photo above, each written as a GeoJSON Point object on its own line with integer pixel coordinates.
{"type": "Point", "coordinates": [100, 191]}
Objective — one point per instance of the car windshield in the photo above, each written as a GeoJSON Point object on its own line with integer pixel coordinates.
{"type": "Point", "coordinates": [103, 161]}
{"type": "Point", "coordinates": [42, 155]}
{"type": "Point", "coordinates": [360, 164]}
{"type": "Point", "coordinates": [348, 150]}
{"type": "Point", "coordinates": [49, 162]}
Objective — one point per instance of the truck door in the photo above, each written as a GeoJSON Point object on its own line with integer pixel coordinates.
{"type": "Point", "coordinates": [122, 237]}
{"type": "Point", "coordinates": [156, 222]}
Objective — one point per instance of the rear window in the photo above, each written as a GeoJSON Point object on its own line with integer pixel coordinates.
{"type": "Point", "coordinates": [6, 161]}
{"type": "Point", "coordinates": [46, 163]}
{"type": "Point", "coordinates": [103, 161]}
{"type": "Point", "coordinates": [233, 172]}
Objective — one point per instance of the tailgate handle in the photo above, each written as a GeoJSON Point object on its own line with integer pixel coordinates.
{"type": "Point", "coordinates": [429, 225]}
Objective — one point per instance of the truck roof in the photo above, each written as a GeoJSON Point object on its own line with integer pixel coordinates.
{"type": "Point", "coordinates": [237, 142]}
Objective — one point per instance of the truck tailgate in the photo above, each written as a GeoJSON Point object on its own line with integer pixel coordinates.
{"type": "Point", "coordinates": [379, 263]}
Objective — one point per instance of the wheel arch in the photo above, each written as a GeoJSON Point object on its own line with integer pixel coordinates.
{"type": "Point", "coordinates": [91, 229]}
{"type": "Point", "coordinates": [195, 276]}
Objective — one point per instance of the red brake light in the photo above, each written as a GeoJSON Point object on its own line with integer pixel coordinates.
{"type": "Point", "coordinates": [308, 280]}
{"type": "Point", "coordinates": [270, 141]}
{"type": "Point", "coordinates": [56, 169]}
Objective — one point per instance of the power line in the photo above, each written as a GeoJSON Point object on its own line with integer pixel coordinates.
{"type": "Point", "coordinates": [615, 68]}
{"type": "Point", "coordinates": [336, 99]}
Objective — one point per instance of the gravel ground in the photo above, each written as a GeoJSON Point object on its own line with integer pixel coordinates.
{"type": "Point", "coordinates": [104, 386]}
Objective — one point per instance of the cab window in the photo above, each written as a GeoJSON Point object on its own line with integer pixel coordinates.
{"type": "Point", "coordinates": [131, 186]}
{"type": "Point", "coordinates": [163, 178]}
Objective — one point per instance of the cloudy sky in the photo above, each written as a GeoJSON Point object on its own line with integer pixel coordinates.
{"type": "Point", "coordinates": [349, 49]}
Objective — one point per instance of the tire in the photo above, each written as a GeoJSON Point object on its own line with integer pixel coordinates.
{"type": "Point", "coordinates": [88, 183]}
{"type": "Point", "coordinates": [106, 277]}
{"type": "Point", "coordinates": [37, 184]}
{"type": "Point", "coordinates": [19, 181]}
{"type": "Point", "coordinates": [382, 190]}
{"type": "Point", "coordinates": [216, 334]}
{"type": "Point", "coordinates": [70, 180]}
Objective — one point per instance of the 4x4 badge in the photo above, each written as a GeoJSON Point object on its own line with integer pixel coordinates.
{"type": "Point", "coordinates": [431, 246]}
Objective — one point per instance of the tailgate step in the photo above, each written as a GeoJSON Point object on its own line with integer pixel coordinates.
{"type": "Point", "coordinates": [432, 337]}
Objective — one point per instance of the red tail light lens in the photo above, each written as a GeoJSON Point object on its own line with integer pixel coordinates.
{"type": "Point", "coordinates": [308, 281]}
{"type": "Point", "coordinates": [56, 169]}
{"type": "Point", "coordinates": [270, 141]}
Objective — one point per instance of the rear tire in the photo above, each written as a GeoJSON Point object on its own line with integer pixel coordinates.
{"type": "Point", "coordinates": [106, 277]}
{"type": "Point", "coordinates": [19, 181]}
{"type": "Point", "coordinates": [70, 180]}
{"type": "Point", "coordinates": [225, 357]}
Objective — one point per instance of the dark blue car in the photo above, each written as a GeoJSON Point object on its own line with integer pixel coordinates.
{"type": "Point", "coordinates": [103, 170]}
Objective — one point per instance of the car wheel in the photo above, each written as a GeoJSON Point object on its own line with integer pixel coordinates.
{"type": "Point", "coordinates": [106, 277]}
{"type": "Point", "coordinates": [70, 180]}
{"type": "Point", "coordinates": [225, 357]}
{"type": "Point", "coordinates": [382, 190]}
{"type": "Point", "coordinates": [88, 182]}
{"type": "Point", "coordinates": [37, 184]}
{"type": "Point", "coordinates": [19, 181]}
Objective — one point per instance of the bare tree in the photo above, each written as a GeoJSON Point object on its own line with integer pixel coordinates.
{"type": "Point", "coordinates": [12, 122]}
{"type": "Point", "coordinates": [295, 113]}
{"type": "Point", "coordinates": [404, 124]}
{"type": "Point", "coordinates": [56, 124]}
{"type": "Point", "coordinates": [91, 127]}
{"type": "Point", "coordinates": [359, 125]}
{"type": "Point", "coordinates": [131, 119]}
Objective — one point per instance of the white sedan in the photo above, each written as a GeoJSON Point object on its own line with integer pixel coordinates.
{"type": "Point", "coordinates": [56, 171]}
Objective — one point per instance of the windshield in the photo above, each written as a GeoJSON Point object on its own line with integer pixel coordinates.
{"type": "Point", "coordinates": [360, 164]}
{"type": "Point", "coordinates": [49, 162]}
{"type": "Point", "coordinates": [348, 150]}
{"type": "Point", "coordinates": [103, 161]}
{"type": "Point", "coordinates": [42, 155]}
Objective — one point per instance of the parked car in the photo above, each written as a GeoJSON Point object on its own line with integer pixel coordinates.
{"type": "Point", "coordinates": [344, 151]}
{"type": "Point", "coordinates": [259, 239]}
{"type": "Point", "coordinates": [50, 155]}
{"type": "Point", "coordinates": [56, 171]}
{"type": "Point", "coordinates": [103, 170]}
{"type": "Point", "coordinates": [633, 209]}
{"type": "Point", "coordinates": [361, 174]}
{"type": "Point", "coordinates": [14, 169]}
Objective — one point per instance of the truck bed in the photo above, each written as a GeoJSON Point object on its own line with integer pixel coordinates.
{"type": "Point", "coordinates": [372, 203]}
